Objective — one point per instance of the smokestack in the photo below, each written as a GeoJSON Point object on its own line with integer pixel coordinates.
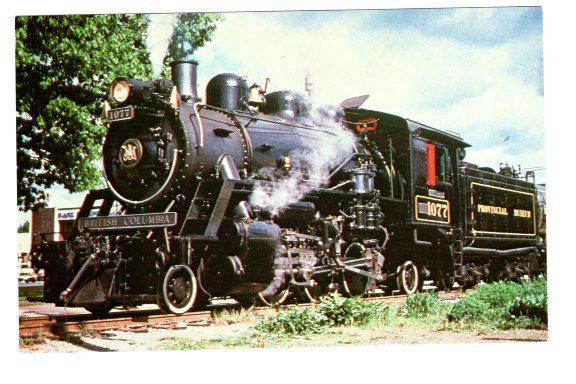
{"type": "Point", "coordinates": [184, 76]}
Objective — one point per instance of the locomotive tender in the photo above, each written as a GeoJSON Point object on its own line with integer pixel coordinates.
{"type": "Point", "coordinates": [256, 196]}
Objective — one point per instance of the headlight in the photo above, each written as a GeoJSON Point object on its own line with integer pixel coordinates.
{"type": "Point", "coordinates": [119, 90]}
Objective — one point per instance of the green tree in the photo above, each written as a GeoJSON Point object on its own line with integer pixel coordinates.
{"type": "Point", "coordinates": [64, 65]}
{"type": "Point", "coordinates": [192, 31]}
{"type": "Point", "coordinates": [24, 227]}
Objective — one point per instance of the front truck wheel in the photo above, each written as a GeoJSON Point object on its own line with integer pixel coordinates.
{"type": "Point", "coordinates": [409, 279]}
{"type": "Point", "coordinates": [178, 291]}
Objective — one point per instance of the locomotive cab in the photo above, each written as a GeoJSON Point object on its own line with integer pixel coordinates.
{"type": "Point", "coordinates": [418, 183]}
{"type": "Point", "coordinates": [434, 175]}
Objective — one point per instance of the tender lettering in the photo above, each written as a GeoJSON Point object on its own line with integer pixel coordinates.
{"type": "Point", "coordinates": [492, 210]}
{"type": "Point", "coordinates": [522, 213]}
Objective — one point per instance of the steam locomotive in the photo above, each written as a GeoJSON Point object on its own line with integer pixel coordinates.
{"type": "Point", "coordinates": [257, 196]}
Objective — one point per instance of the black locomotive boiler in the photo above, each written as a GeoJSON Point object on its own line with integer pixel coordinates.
{"type": "Point", "coordinates": [259, 197]}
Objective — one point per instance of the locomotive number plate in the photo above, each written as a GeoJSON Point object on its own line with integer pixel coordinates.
{"type": "Point", "coordinates": [432, 210]}
{"type": "Point", "coordinates": [124, 113]}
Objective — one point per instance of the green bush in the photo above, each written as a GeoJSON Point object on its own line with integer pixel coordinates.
{"type": "Point", "coordinates": [469, 308]}
{"type": "Point", "coordinates": [533, 303]}
{"type": "Point", "coordinates": [334, 311]}
{"type": "Point", "coordinates": [499, 294]}
{"type": "Point", "coordinates": [420, 305]}
{"type": "Point", "coordinates": [294, 322]}
{"type": "Point", "coordinates": [340, 311]}
{"type": "Point", "coordinates": [505, 305]}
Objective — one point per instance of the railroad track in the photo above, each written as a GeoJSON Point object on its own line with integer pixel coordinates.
{"type": "Point", "coordinates": [135, 320]}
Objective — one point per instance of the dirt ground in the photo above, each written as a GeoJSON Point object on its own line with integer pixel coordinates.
{"type": "Point", "coordinates": [240, 335]}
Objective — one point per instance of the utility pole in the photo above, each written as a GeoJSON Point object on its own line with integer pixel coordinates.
{"type": "Point", "coordinates": [309, 85]}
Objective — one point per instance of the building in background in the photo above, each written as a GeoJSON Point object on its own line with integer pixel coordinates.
{"type": "Point", "coordinates": [24, 243]}
{"type": "Point", "coordinates": [48, 223]}
{"type": "Point", "coordinates": [54, 223]}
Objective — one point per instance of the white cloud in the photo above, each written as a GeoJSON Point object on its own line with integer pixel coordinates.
{"type": "Point", "coordinates": [467, 16]}
{"type": "Point", "coordinates": [494, 156]}
{"type": "Point", "coordinates": [484, 92]}
{"type": "Point", "coordinates": [158, 38]}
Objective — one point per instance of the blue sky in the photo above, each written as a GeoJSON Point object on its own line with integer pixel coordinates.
{"type": "Point", "coordinates": [475, 71]}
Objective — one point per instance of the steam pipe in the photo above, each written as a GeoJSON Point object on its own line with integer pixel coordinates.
{"type": "Point", "coordinates": [421, 242]}
{"type": "Point", "coordinates": [201, 140]}
{"type": "Point", "coordinates": [226, 168]}
{"type": "Point", "coordinates": [339, 167]}
{"type": "Point", "coordinates": [160, 258]}
{"type": "Point", "coordinates": [243, 211]}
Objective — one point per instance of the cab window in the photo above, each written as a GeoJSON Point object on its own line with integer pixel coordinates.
{"type": "Point", "coordinates": [437, 164]}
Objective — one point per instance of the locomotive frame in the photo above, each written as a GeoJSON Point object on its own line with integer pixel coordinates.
{"type": "Point", "coordinates": [397, 206]}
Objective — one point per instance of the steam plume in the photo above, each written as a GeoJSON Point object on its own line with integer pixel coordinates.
{"type": "Point", "coordinates": [159, 33]}
{"type": "Point", "coordinates": [311, 164]}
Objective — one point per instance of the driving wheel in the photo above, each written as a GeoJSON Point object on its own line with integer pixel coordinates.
{"type": "Point", "coordinates": [275, 294]}
{"type": "Point", "coordinates": [356, 285]}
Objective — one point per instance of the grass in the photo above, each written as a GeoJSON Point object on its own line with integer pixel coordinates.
{"type": "Point", "coordinates": [333, 311]}
{"type": "Point", "coordinates": [31, 341]}
{"type": "Point", "coordinates": [339, 321]}
{"type": "Point", "coordinates": [335, 321]}
{"type": "Point", "coordinates": [231, 316]}
{"type": "Point", "coordinates": [245, 340]}
{"type": "Point", "coordinates": [422, 305]}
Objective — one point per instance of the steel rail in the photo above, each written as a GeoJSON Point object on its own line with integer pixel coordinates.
{"type": "Point", "coordinates": [65, 324]}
